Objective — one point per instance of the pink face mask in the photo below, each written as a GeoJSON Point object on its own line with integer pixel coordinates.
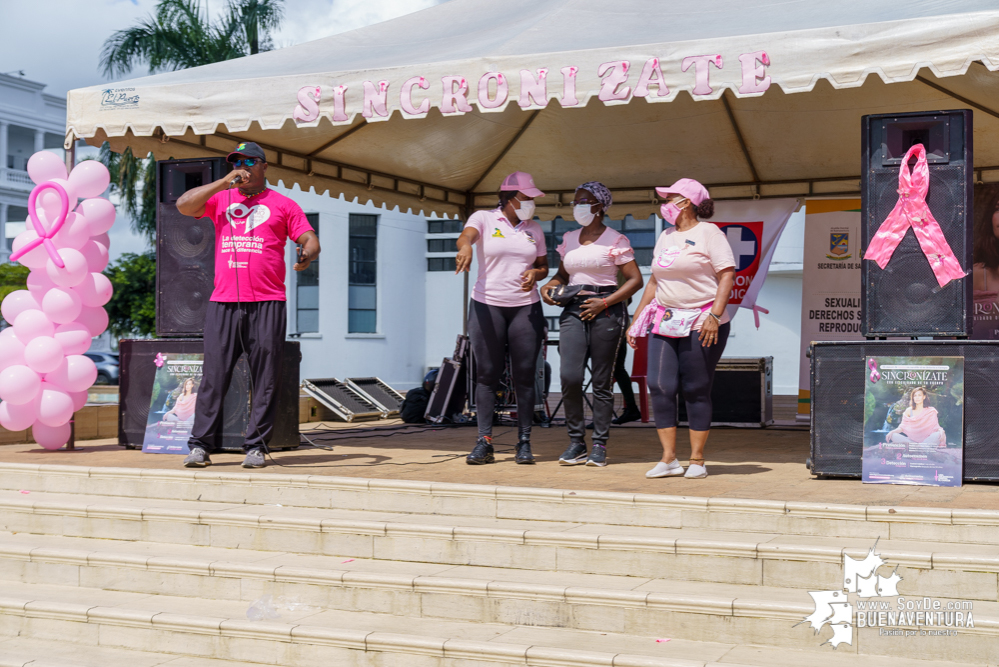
{"type": "Point", "coordinates": [670, 212]}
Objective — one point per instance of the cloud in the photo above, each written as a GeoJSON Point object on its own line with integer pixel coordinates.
{"type": "Point", "coordinates": [306, 20]}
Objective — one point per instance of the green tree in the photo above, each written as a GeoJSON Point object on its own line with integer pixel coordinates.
{"type": "Point", "coordinates": [132, 309]}
{"type": "Point", "coordinates": [12, 277]}
{"type": "Point", "coordinates": [178, 35]}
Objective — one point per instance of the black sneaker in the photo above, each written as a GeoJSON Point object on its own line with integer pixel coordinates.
{"type": "Point", "coordinates": [482, 453]}
{"type": "Point", "coordinates": [598, 456]}
{"type": "Point", "coordinates": [198, 458]}
{"type": "Point", "coordinates": [629, 415]}
{"type": "Point", "coordinates": [524, 455]}
{"type": "Point", "coordinates": [573, 456]}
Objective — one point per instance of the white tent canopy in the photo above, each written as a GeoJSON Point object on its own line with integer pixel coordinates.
{"type": "Point", "coordinates": [431, 110]}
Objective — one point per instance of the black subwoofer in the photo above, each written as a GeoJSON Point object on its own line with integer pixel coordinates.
{"type": "Point", "coordinates": [837, 383]}
{"type": "Point", "coordinates": [905, 299]}
{"type": "Point", "coordinates": [136, 384]}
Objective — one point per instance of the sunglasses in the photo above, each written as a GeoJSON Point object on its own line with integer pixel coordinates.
{"type": "Point", "coordinates": [246, 162]}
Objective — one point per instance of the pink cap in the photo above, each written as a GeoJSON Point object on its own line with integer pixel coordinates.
{"type": "Point", "coordinates": [521, 181]}
{"type": "Point", "coordinates": [687, 187]}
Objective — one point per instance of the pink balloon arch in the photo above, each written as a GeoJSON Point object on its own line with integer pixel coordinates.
{"type": "Point", "coordinates": [44, 376]}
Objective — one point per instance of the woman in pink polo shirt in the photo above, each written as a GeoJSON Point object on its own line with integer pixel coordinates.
{"type": "Point", "coordinates": [593, 317]}
{"type": "Point", "coordinates": [683, 313]}
{"type": "Point", "coordinates": [505, 309]}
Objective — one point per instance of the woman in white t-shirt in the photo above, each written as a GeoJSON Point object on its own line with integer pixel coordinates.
{"type": "Point", "coordinates": [683, 313]}
{"type": "Point", "coordinates": [593, 319]}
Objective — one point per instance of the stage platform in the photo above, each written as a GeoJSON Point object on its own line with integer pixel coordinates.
{"type": "Point", "coordinates": [758, 464]}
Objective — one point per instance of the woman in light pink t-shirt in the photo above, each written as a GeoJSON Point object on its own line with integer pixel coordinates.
{"type": "Point", "coordinates": [505, 311]}
{"type": "Point", "coordinates": [693, 269]}
{"type": "Point", "coordinates": [593, 321]}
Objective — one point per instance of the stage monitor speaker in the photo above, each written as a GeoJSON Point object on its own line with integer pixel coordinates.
{"type": "Point", "coordinates": [838, 374]}
{"type": "Point", "coordinates": [136, 386]}
{"type": "Point", "coordinates": [742, 394]}
{"type": "Point", "coordinates": [185, 248]}
{"type": "Point", "coordinates": [904, 299]}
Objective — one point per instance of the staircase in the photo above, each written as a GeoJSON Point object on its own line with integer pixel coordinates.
{"type": "Point", "coordinates": [101, 567]}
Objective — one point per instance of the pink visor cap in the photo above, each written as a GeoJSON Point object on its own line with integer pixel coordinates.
{"type": "Point", "coordinates": [520, 181]}
{"type": "Point", "coordinates": [687, 187]}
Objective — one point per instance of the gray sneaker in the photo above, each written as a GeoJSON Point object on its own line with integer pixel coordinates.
{"type": "Point", "coordinates": [254, 458]}
{"type": "Point", "coordinates": [198, 458]}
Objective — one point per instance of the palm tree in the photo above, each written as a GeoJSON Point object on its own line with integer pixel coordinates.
{"type": "Point", "coordinates": [178, 35]}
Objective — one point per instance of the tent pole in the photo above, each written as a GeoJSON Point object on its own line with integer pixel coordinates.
{"type": "Point", "coordinates": [502, 154]}
{"type": "Point", "coordinates": [742, 141]}
{"type": "Point", "coordinates": [959, 98]}
{"type": "Point", "coordinates": [469, 209]}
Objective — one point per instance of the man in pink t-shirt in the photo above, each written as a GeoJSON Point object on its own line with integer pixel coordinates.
{"type": "Point", "coordinates": [246, 312]}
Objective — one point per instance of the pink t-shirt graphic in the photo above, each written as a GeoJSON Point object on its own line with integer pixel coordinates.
{"type": "Point", "coordinates": [250, 239]}
{"type": "Point", "coordinates": [504, 252]}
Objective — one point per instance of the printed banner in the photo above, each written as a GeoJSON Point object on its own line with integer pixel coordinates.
{"type": "Point", "coordinates": [171, 408]}
{"type": "Point", "coordinates": [986, 258]}
{"type": "Point", "coordinates": [914, 421]}
{"type": "Point", "coordinates": [830, 283]}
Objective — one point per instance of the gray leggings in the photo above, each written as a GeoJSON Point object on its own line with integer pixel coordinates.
{"type": "Point", "coordinates": [676, 363]}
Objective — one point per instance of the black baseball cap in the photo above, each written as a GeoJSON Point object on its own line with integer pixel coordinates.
{"type": "Point", "coordinates": [247, 149]}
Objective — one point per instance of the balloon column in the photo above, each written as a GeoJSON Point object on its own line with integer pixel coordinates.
{"type": "Point", "coordinates": [44, 376]}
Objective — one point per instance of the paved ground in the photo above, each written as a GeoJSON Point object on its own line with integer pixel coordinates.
{"type": "Point", "coordinates": [743, 463]}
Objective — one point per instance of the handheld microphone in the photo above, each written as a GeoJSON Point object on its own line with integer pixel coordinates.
{"type": "Point", "coordinates": [236, 181]}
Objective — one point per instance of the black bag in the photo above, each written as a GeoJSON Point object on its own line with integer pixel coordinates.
{"type": "Point", "coordinates": [414, 406]}
{"type": "Point", "coordinates": [564, 294]}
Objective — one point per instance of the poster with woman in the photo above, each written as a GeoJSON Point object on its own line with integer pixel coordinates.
{"type": "Point", "coordinates": [914, 421]}
{"type": "Point", "coordinates": [986, 258]}
{"type": "Point", "coordinates": [171, 409]}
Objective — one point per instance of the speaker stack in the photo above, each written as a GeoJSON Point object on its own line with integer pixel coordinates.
{"type": "Point", "coordinates": [185, 279]}
{"type": "Point", "coordinates": [905, 300]}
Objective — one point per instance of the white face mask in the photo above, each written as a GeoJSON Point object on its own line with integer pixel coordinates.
{"type": "Point", "coordinates": [583, 214]}
{"type": "Point", "coordinates": [526, 210]}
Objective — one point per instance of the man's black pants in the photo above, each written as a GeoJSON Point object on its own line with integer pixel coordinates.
{"type": "Point", "coordinates": [259, 331]}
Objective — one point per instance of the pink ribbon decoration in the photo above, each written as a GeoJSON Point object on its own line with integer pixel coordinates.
{"type": "Point", "coordinates": [873, 365]}
{"type": "Point", "coordinates": [756, 313]}
{"type": "Point", "coordinates": [45, 235]}
{"type": "Point", "coordinates": [912, 210]}
{"type": "Point", "coordinates": [159, 360]}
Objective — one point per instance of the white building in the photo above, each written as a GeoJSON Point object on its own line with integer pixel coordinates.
{"type": "Point", "coordinates": [30, 121]}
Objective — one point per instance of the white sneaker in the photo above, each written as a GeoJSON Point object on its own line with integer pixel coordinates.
{"type": "Point", "coordinates": [670, 469]}
{"type": "Point", "coordinates": [695, 471]}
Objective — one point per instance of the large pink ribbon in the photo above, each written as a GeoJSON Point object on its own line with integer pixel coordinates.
{"type": "Point", "coordinates": [45, 235]}
{"type": "Point", "coordinates": [912, 210]}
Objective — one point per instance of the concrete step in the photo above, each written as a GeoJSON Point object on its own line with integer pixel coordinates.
{"type": "Point", "coordinates": [24, 652]}
{"type": "Point", "coordinates": [936, 569]}
{"type": "Point", "coordinates": [199, 628]}
{"type": "Point", "coordinates": [696, 611]}
{"type": "Point", "coordinates": [966, 526]}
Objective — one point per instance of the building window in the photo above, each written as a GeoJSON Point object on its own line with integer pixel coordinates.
{"type": "Point", "coordinates": [554, 230]}
{"type": "Point", "coordinates": [642, 234]}
{"type": "Point", "coordinates": [362, 298]}
{"type": "Point", "coordinates": [441, 264]}
{"type": "Point", "coordinates": [444, 226]}
{"type": "Point", "coordinates": [552, 323]}
{"type": "Point", "coordinates": [441, 245]}
{"type": "Point", "coordinates": [307, 290]}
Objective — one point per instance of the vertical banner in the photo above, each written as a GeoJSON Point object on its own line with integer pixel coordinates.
{"type": "Point", "coordinates": [914, 421]}
{"type": "Point", "coordinates": [830, 282]}
{"type": "Point", "coordinates": [986, 258]}
{"type": "Point", "coordinates": [171, 408]}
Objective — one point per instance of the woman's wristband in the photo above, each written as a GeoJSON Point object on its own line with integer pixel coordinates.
{"type": "Point", "coordinates": [717, 317]}
{"type": "Point", "coordinates": [605, 303]}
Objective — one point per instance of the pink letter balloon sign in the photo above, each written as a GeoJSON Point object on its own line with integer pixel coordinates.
{"type": "Point", "coordinates": [42, 367]}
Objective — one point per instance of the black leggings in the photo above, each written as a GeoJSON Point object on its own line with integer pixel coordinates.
{"type": "Point", "coordinates": [676, 363]}
{"type": "Point", "coordinates": [491, 329]}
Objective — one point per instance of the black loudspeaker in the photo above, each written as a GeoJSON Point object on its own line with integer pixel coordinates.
{"type": "Point", "coordinates": [136, 385]}
{"type": "Point", "coordinates": [742, 394]}
{"type": "Point", "coordinates": [185, 248]}
{"type": "Point", "coordinates": [838, 374]}
{"type": "Point", "coordinates": [905, 299]}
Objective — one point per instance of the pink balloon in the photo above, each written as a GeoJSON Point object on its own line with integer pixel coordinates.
{"type": "Point", "coordinates": [55, 406]}
{"type": "Point", "coordinates": [11, 349]}
{"type": "Point", "coordinates": [19, 385]}
{"type": "Point", "coordinates": [95, 319]}
{"type": "Point", "coordinates": [17, 417]}
{"type": "Point", "coordinates": [99, 213]}
{"type": "Point", "coordinates": [43, 354]}
{"type": "Point", "coordinates": [75, 233]}
{"type": "Point", "coordinates": [96, 254]}
{"type": "Point", "coordinates": [73, 273]}
{"type": "Point", "coordinates": [75, 373]}
{"type": "Point", "coordinates": [45, 166]}
{"type": "Point", "coordinates": [51, 437]}
{"type": "Point", "coordinates": [32, 323]}
{"type": "Point", "coordinates": [62, 304]}
{"type": "Point", "coordinates": [95, 290]}
{"type": "Point", "coordinates": [16, 303]}
{"type": "Point", "coordinates": [50, 201]}
{"type": "Point", "coordinates": [33, 259]}
{"type": "Point", "coordinates": [102, 239]}
{"type": "Point", "coordinates": [74, 337]}
{"type": "Point", "coordinates": [38, 284]}
{"type": "Point", "coordinates": [79, 399]}
{"type": "Point", "coordinates": [90, 178]}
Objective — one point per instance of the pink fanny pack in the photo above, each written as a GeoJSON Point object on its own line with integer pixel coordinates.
{"type": "Point", "coordinates": [669, 322]}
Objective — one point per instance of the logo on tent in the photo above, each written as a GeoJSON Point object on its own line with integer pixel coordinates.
{"type": "Point", "coordinates": [746, 240]}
